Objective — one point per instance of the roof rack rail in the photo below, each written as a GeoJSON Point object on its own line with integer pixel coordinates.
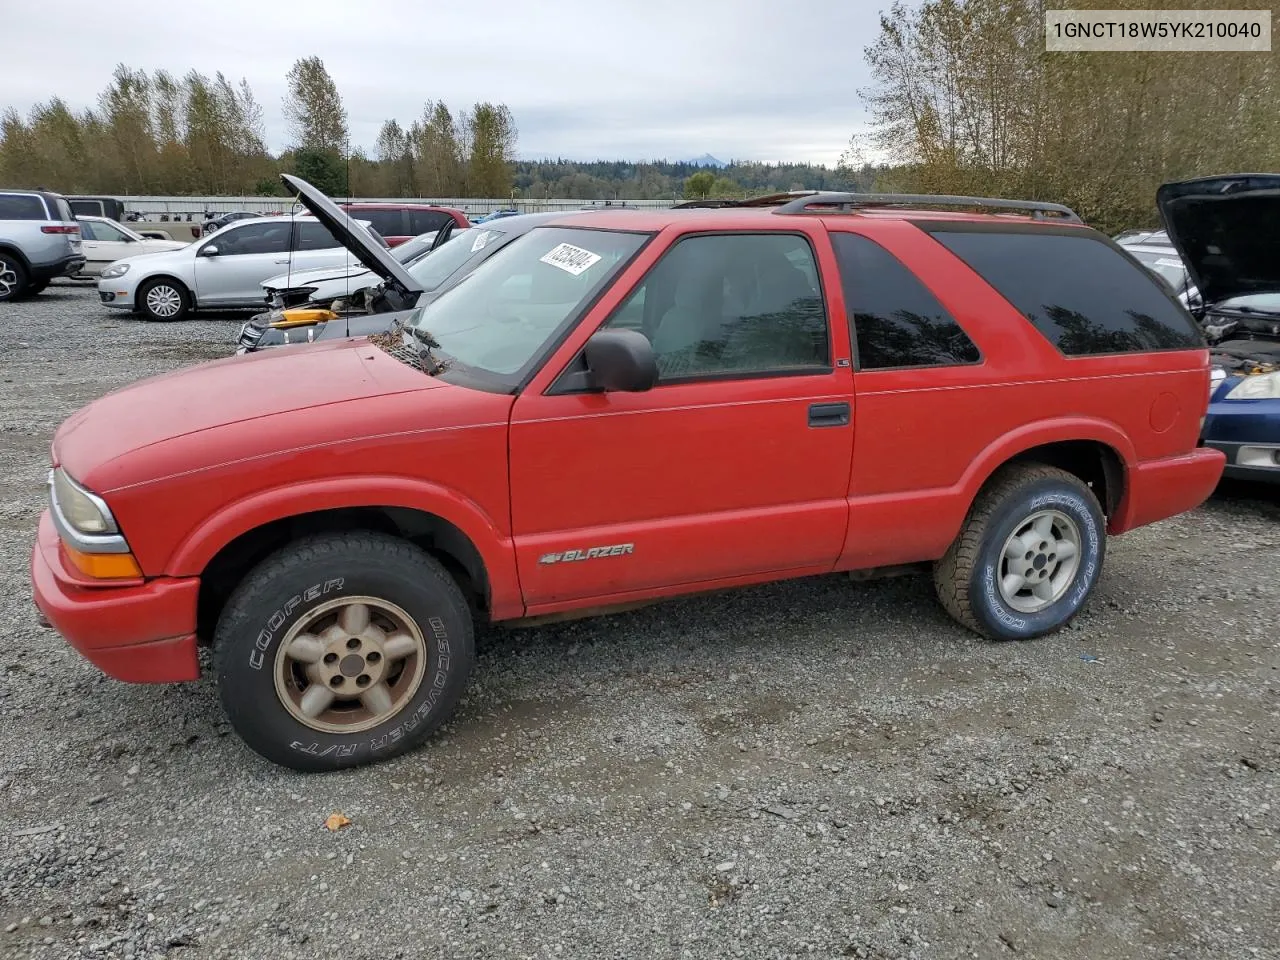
{"type": "Point", "coordinates": [848, 202]}
{"type": "Point", "coordinates": [767, 200]}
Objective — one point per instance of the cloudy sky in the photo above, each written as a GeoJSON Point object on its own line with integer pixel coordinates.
{"type": "Point", "coordinates": [633, 79]}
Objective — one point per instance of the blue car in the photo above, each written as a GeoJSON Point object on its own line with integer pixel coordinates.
{"type": "Point", "coordinates": [1226, 229]}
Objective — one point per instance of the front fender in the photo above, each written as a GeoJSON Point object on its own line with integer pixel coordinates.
{"type": "Point", "coordinates": [239, 517]}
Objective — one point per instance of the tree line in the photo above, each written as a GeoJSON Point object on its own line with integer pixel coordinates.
{"type": "Point", "coordinates": [157, 134]}
{"type": "Point", "coordinates": [966, 100]}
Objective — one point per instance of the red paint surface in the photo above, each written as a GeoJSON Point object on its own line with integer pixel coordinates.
{"type": "Point", "coordinates": [713, 484]}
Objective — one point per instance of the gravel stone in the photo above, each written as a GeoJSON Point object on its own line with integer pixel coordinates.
{"type": "Point", "coordinates": [816, 768]}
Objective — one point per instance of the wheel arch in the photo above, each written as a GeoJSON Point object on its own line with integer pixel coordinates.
{"type": "Point", "coordinates": [453, 530]}
{"type": "Point", "coordinates": [16, 251]}
{"type": "Point", "coordinates": [1097, 452]}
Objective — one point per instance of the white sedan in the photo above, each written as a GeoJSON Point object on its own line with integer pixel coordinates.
{"type": "Point", "coordinates": [223, 271]}
{"type": "Point", "coordinates": [105, 241]}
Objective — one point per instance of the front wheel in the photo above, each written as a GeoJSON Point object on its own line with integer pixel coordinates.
{"type": "Point", "coordinates": [342, 649]}
{"type": "Point", "coordinates": [1028, 556]}
{"type": "Point", "coordinates": [163, 300]}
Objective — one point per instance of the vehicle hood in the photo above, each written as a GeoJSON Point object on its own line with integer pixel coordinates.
{"type": "Point", "coordinates": [1227, 231]}
{"type": "Point", "coordinates": [352, 236]}
{"type": "Point", "coordinates": [307, 278]}
{"type": "Point", "coordinates": [150, 245]}
{"type": "Point", "coordinates": [97, 443]}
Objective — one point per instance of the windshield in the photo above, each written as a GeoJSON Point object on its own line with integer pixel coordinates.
{"type": "Point", "coordinates": [1166, 265]}
{"type": "Point", "coordinates": [440, 265]}
{"type": "Point", "coordinates": [413, 249]}
{"type": "Point", "coordinates": [500, 315]}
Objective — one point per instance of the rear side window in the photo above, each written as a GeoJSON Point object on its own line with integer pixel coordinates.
{"type": "Point", "coordinates": [313, 235]}
{"type": "Point", "coordinates": [63, 210]}
{"type": "Point", "coordinates": [21, 206]}
{"type": "Point", "coordinates": [389, 223]}
{"type": "Point", "coordinates": [1083, 295]}
{"type": "Point", "coordinates": [895, 320]}
{"type": "Point", "coordinates": [420, 221]}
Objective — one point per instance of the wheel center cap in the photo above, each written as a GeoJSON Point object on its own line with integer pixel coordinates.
{"type": "Point", "coordinates": [1039, 562]}
{"type": "Point", "coordinates": [351, 665]}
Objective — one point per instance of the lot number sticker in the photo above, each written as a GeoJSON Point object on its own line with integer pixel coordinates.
{"type": "Point", "coordinates": [571, 259]}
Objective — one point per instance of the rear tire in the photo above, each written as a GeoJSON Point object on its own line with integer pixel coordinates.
{"type": "Point", "coordinates": [1028, 556]}
{"type": "Point", "coordinates": [13, 278]}
{"type": "Point", "coordinates": [163, 300]}
{"type": "Point", "coordinates": [342, 649]}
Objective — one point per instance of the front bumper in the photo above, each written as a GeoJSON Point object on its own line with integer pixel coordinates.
{"type": "Point", "coordinates": [139, 633]}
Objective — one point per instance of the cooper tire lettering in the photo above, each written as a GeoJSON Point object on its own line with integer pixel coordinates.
{"type": "Point", "coordinates": [284, 588]}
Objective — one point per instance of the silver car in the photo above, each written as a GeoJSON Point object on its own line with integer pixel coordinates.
{"type": "Point", "coordinates": [39, 240]}
{"type": "Point", "coordinates": [223, 271]}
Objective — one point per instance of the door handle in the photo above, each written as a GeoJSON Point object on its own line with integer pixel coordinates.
{"type": "Point", "coordinates": [828, 414]}
{"type": "Point", "coordinates": [282, 261]}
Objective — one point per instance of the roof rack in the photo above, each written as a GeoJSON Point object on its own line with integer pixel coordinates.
{"type": "Point", "coordinates": [767, 200]}
{"type": "Point", "coordinates": [849, 202]}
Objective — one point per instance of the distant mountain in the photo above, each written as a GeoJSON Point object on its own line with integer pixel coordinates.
{"type": "Point", "coordinates": [706, 160]}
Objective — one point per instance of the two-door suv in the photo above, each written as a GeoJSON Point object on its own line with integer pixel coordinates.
{"type": "Point", "coordinates": [626, 406]}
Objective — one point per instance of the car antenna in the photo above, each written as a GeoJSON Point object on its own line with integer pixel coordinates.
{"type": "Point", "coordinates": [346, 300]}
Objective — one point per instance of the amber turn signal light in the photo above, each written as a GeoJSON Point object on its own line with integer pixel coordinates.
{"type": "Point", "coordinates": [104, 566]}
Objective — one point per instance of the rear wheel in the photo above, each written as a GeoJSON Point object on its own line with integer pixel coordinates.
{"type": "Point", "coordinates": [13, 278]}
{"type": "Point", "coordinates": [163, 300]}
{"type": "Point", "coordinates": [1028, 556]}
{"type": "Point", "coordinates": [342, 649]}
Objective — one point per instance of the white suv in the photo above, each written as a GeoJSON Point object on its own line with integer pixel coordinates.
{"type": "Point", "coordinates": [224, 271]}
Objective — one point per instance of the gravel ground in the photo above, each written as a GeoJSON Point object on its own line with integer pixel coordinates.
{"type": "Point", "coordinates": [811, 769]}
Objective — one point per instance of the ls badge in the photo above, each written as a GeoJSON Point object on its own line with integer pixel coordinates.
{"type": "Point", "coordinates": [594, 553]}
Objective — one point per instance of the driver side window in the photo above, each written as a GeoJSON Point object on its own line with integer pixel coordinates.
{"type": "Point", "coordinates": [731, 306]}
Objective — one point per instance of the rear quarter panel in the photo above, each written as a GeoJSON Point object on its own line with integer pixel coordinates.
{"type": "Point", "coordinates": [928, 438]}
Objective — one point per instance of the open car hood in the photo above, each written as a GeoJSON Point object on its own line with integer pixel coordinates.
{"type": "Point", "coordinates": [1227, 231]}
{"type": "Point", "coordinates": [348, 231]}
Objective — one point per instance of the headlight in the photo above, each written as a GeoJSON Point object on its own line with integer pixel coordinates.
{"type": "Point", "coordinates": [82, 511]}
{"type": "Point", "coordinates": [115, 270]}
{"type": "Point", "coordinates": [1264, 386]}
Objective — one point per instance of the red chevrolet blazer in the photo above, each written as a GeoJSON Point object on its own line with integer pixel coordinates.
{"type": "Point", "coordinates": [628, 406]}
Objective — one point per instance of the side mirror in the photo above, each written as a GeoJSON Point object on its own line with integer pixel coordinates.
{"type": "Point", "coordinates": [620, 360]}
{"type": "Point", "coordinates": [209, 250]}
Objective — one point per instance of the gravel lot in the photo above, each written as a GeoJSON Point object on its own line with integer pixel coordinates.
{"type": "Point", "coordinates": [812, 769]}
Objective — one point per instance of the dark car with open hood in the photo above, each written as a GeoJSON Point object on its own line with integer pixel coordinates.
{"type": "Point", "coordinates": [398, 288]}
{"type": "Point", "coordinates": [1226, 229]}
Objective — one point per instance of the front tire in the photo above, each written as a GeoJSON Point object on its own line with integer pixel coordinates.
{"type": "Point", "coordinates": [342, 649]}
{"type": "Point", "coordinates": [1028, 556]}
{"type": "Point", "coordinates": [13, 278]}
{"type": "Point", "coordinates": [163, 300]}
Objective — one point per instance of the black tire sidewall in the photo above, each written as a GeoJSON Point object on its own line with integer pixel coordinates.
{"type": "Point", "coordinates": [145, 288]}
{"type": "Point", "coordinates": [249, 641]}
{"type": "Point", "coordinates": [20, 272]}
{"type": "Point", "coordinates": [988, 606]}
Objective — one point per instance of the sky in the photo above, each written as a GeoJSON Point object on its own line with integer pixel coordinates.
{"type": "Point", "coordinates": [766, 80]}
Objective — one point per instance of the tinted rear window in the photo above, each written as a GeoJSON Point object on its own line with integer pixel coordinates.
{"type": "Point", "coordinates": [896, 321]}
{"type": "Point", "coordinates": [420, 221]}
{"type": "Point", "coordinates": [389, 223]}
{"type": "Point", "coordinates": [313, 235]}
{"type": "Point", "coordinates": [64, 210]}
{"type": "Point", "coordinates": [21, 206]}
{"type": "Point", "coordinates": [1082, 294]}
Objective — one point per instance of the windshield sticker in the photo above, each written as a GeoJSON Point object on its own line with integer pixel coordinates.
{"type": "Point", "coordinates": [571, 259]}
{"type": "Point", "coordinates": [480, 241]}
{"type": "Point", "coordinates": [1166, 262]}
